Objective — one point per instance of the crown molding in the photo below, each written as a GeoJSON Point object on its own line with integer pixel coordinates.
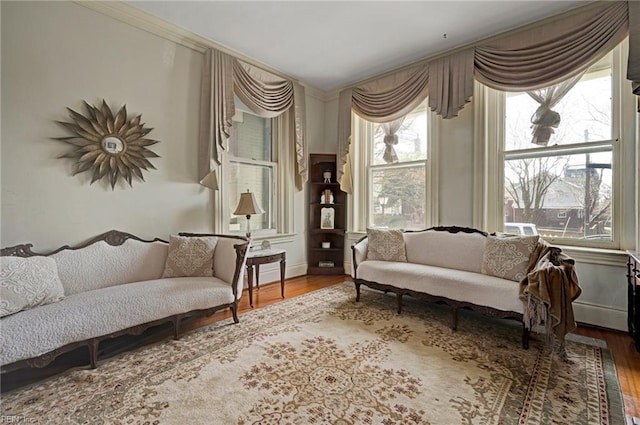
{"type": "Point", "coordinates": [142, 20]}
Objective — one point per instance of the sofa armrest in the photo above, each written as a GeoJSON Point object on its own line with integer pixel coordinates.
{"type": "Point", "coordinates": [359, 250]}
{"type": "Point", "coordinates": [229, 259]}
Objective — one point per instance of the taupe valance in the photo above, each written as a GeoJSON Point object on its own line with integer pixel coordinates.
{"type": "Point", "coordinates": [633, 66]}
{"type": "Point", "coordinates": [524, 60]}
{"type": "Point", "coordinates": [550, 53]}
{"type": "Point", "coordinates": [266, 94]}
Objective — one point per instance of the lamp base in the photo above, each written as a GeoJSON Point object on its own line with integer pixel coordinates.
{"type": "Point", "coordinates": [248, 227]}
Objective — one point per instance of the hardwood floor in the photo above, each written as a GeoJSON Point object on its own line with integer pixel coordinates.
{"type": "Point", "coordinates": [627, 359]}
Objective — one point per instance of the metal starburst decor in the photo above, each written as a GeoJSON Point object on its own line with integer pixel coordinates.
{"type": "Point", "coordinates": [108, 145]}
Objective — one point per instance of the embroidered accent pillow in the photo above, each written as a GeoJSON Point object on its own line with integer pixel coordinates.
{"type": "Point", "coordinates": [190, 256]}
{"type": "Point", "coordinates": [28, 282]}
{"type": "Point", "coordinates": [507, 256]}
{"type": "Point", "coordinates": [386, 245]}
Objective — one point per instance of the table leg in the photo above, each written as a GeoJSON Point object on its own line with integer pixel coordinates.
{"type": "Point", "coordinates": [257, 275]}
{"type": "Point", "coordinates": [282, 268]}
{"type": "Point", "coordinates": [250, 283]}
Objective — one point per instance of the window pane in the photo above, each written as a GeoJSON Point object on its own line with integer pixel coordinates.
{"type": "Point", "coordinates": [584, 112]}
{"type": "Point", "coordinates": [412, 138]}
{"type": "Point", "coordinates": [259, 180]}
{"type": "Point", "coordinates": [562, 196]}
{"type": "Point", "coordinates": [251, 137]}
{"type": "Point", "coordinates": [398, 197]}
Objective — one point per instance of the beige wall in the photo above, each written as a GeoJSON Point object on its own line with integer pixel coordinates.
{"type": "Point", "coordinates": [54, 55]}
{"type": "Point", "coordinates": [57, 54]}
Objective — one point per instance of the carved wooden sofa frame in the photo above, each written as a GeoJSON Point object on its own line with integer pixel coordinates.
{"type": "Point", "coordinates": [117, 238]}
{"type": "Point", "coordinates": [454, 304]}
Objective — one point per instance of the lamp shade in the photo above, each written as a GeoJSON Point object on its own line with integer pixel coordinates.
{"type": "Point", "coordinates": [248, 205]}
{"type": "Point", "coordinates": [210, 180]}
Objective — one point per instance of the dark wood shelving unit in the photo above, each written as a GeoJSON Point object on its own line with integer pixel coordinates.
{"type": "Point", "coordinates": [316, 254]}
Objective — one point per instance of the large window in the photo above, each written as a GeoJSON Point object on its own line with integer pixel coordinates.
{"type": "Point", "coordinates": [252, 166]}
{"type": "Point", "coordinates": [552, 158]}
{"type": "Point", "coordinates": [393, 186]}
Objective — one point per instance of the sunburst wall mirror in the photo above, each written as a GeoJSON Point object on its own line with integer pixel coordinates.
{"type": "Point", "coordinates": [108, 145]}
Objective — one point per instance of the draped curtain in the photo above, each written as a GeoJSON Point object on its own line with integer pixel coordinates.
{"type": "Point", "coordinates": [266, 94]}
{"type": "Point", "coordinates": [391, 139]}
{"type": "Point", "coordinates": [524, 60]}
{"type": "Point", "coordinates": [544, 119]}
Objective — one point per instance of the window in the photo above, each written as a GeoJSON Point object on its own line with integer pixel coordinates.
{"type": "Point", "coordinates": [261, 158]}
{"type": "Point", "coordinates": [567, 189]}
{"type": "Point", "coordinates": [252, 167]}
{"type": "Point", "coordinates": [392, 190]}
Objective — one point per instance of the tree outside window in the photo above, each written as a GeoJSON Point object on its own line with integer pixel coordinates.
{"type": "Point", "coordinates": [565, 187]}
{"type": "Point", "coordinates": [397, 191]}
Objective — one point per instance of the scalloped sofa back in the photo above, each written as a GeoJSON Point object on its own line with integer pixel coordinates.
{"type": "Point", "coordinates": [443, 264]}
{"type": "Point", "coordinates": [113, 285]}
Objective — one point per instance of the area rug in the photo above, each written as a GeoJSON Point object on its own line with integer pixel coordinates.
{"type": "Point", "coordinates": [322, 358]}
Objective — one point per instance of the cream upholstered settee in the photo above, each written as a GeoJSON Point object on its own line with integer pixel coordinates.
{"type": "Point", "coordinates": [465, 268]}
{"type": "Point", "coordinates": [113, 285]}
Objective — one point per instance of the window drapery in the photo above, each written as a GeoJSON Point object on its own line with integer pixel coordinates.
{"type": "Point", "coordinates": [552, 52]}
{"type": "Point", "coordinates": [524, 60]}
{"type": "Point", "coordinates": [216, 108]}
{"type": "Point", "coordinates": [266, 94]}
{"type": "Point", "coordinates": [633, 66]}
{"type": "Point", "coordinates": [544, 119]}
{"type": "Point", "coordinates": [451, 83]}
{"type": "Point", "coordinates": [391, 139]}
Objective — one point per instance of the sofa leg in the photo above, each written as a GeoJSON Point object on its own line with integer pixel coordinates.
{"type": "Point", "coordinates": [234, 312]}
{"type": "Point", "coordinates": [93, 352]}
{"type": "Point", "coordinates": [176, 326]}
{"type": "Point", "coordinates": [357, 291]}
{"type": "Point", "coordinates": [454, 324]}
{"type": "Point", "coordinates": [526, 333]}
{"type": "Point", "coordinates": [399, 297]}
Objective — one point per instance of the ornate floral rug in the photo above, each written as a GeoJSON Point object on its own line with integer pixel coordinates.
{"type": "Point", "coordinates": [321, 358]}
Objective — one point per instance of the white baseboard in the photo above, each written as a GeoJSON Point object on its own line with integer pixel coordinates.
{"type": "Point", "coordinates": [602, 316]}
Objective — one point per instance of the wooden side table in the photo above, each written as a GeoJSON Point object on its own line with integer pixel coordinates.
{"type": "Point", "coordinates": [255, 257]}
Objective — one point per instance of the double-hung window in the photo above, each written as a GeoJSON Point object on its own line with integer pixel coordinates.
{"type": "Point", "coordinates": [553, 157]}
{"type": "Point", "coordinates": [252, 166]}
{"type": "Point", "coordinates": [393, 189]}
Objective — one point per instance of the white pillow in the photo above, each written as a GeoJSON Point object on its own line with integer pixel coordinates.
{"type": "Point", "coordinates": [190, 256]}
{"type": "Point", "coordinates": [28, 282]}
{"type": "Point", "coordinates": [507, 256]}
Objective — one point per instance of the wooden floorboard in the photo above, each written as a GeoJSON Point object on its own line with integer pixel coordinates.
{"type": "Point", "coordinates": [627, 359]}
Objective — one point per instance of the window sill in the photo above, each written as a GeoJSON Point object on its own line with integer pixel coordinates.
{"type": "Point", "coordinates": [273, 238]}
{"type": "Point", "coordinates": [607, 257]}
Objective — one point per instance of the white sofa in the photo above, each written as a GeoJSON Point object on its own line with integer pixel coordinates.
{"type": "Point", "coordinates": [444, 264]}
{"type": "Point", "coordinates": [113, 285]}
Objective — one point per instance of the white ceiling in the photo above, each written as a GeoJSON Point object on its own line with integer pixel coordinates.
{"type": "Point", "coordinates": [332, 44]}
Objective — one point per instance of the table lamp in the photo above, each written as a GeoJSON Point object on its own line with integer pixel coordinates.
{"type": "Point", "coordinates": [247, 205]}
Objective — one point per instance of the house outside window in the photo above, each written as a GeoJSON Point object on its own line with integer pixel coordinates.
{"type": "Point", "coordinates": [569, 187]}
{"type": "Point", "coordinates": [394, 185]}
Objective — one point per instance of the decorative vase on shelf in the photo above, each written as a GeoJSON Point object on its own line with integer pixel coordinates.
{"type": "Point", "coordinates": [327, 197]}
{"type": "Point", "coordinates": [327, 176]}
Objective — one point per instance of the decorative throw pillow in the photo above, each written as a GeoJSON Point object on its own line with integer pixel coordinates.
{"type": "Point", "coordinates": [28, 282]}
{"type": "Point", "coordinates": [386, 245]}
{"type": "Point", "coordinates": [507, 256]}
{"type": "Point", "coordinates": [190, 256]}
